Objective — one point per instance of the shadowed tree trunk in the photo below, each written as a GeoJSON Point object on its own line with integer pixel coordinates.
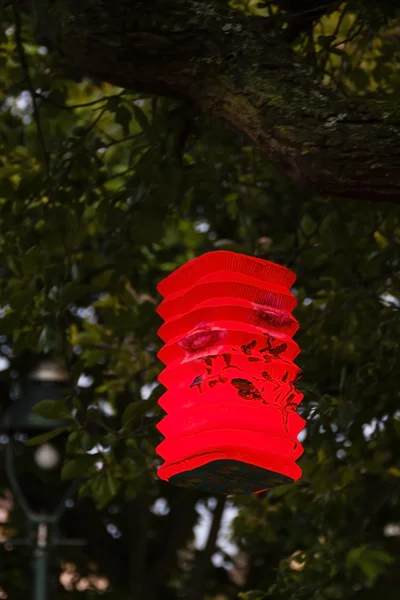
{"type": "Point", "coordinates": [241, 70]}
{"type": "Point", "coordinates": [203, 566]}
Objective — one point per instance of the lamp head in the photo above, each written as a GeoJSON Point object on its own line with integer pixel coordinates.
{"type": "Point", "coordinates": [48, 381]}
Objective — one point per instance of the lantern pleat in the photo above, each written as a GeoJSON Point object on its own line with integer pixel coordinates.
{"type": "Point", "coordinates": [229, 276]}
{"type": "Point", "coordinates": [201, 292]}
{"type": "Point", "coordinates": [237, 334]}
{"type": "Point", "coordinates": [191, 372]}
{"type": "Point", "coordinates": [272, 421]}
{"type": "Point", "coordinates": [223, 260]}
{"type": "Point", "coordinates": [171, 400]}
{"type": "Point", "coordinates": [280, 448]}
{"type": "Point", "coordinates": [208, 313]}
{"type": "Point", "coordinates": [231, 423]}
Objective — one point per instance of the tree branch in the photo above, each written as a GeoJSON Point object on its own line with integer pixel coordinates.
{"type": "Point", "coordinates": [181, 520]}
{"type": "Point", "coordinates": [76, 106]}
{"type": "Point", "coordinates": [303, 20]}
{"type": "Point", "coordinates": [232, 68]}
{"type": "Point", "coordinates": [203, 566]}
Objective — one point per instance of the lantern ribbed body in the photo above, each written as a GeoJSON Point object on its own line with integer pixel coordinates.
{"type": "Point", "coordinates": [231, 424]}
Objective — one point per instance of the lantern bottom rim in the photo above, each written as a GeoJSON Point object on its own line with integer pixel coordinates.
{"type": "Point", "coordinates": [226, 476]}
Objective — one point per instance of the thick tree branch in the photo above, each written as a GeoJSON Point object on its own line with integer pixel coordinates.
{"type": "Point", "coordinates": [231, 67]}
{"type": "Point", "coordinates": [24, 64]}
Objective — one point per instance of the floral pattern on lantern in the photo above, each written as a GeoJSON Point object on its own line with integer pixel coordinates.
{"type": "Point", "coordinates": [231, 425]}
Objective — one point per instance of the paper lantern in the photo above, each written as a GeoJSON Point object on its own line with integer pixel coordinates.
{"type": "Point", "coordinates": [231, 424]}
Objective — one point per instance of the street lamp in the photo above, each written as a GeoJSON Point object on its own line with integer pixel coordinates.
{"type": "Point", "coordinates": [48, 381]}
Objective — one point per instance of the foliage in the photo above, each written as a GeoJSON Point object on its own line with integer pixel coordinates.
{"type": "Point", "coordinates": [102, 193]}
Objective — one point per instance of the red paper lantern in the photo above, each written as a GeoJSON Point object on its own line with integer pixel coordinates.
{"type": "Point", "coordinates": [231, 424]}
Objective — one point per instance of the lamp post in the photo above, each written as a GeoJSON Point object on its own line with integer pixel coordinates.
{"type": "Point", "coordinates": [48, 381]}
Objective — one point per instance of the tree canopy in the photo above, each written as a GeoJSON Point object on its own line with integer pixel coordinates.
{"type": "Point", "coordinates": [135, 136]}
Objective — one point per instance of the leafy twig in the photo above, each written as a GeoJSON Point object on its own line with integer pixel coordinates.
{"type": "Point", "coordinates": [125, 139]}
{"type": "Point", "coordinates": [75, 106]}
{"type": "Point", "coordinates": [25, 67]}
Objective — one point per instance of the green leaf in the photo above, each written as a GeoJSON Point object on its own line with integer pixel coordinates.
{"type": "Point", "coordinates": [129, 468]}
{"type": "Point", "coordinates": [112, 104]}
{"type": "Point", "coordinates": [52, 409]}
{"type": "Point", "coordinates": [112, 483]}
{"type": "Point", "coordinates": [74, 291]}
{"type": "Point", "coordinates": [330, 231]}
{"type": "Point", "coordinates": [228, 245]}
{"type": "Point", "coordinates": [79, 131]}
{"type": "Point", "coordinates": [10, 322]}
{"type": "Point", "coordinates": [45, 437]}
{"type": "Point", "coordinates": [104, 487]}
{"type": "Point", "coordinates": [32, 260]}
{"type": "Point", "coordinates": [79, 466]}
{"type": "Point", "coordinates": [141, 118]}
{"type": "Point", "coordinates": [74, 442]}
{"type": "Point", "coordinates": [123, 117]}
{"type": "Point", "coordinates": [49, 339]}
{"type": "Point", "coordinates": [360, 77]}
{"type": "Point", "coordinates": [87, 442]}
{"type": "Point", "coordinates": [325, 40]}
{"type": "Point", "coordinates": [371, 561]}
{"type": "Point", "coordinates": [307, 225]}
{"type": "Point", "coordinates": [281, 490]}
{"type": "Point", "coordinates": [21, 300]}
{"type": "Point", "coordinates": [14, 264]}
{"type": "Point", "coordinates": [254, 595]}
{"type": "Point", "coordinates": [110, 439]}
{"type": "Point", "coordinates": [136, 410]}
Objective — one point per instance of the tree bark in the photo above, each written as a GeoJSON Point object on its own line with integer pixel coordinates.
{"type": "Point", "coordinates": [238, 69]}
